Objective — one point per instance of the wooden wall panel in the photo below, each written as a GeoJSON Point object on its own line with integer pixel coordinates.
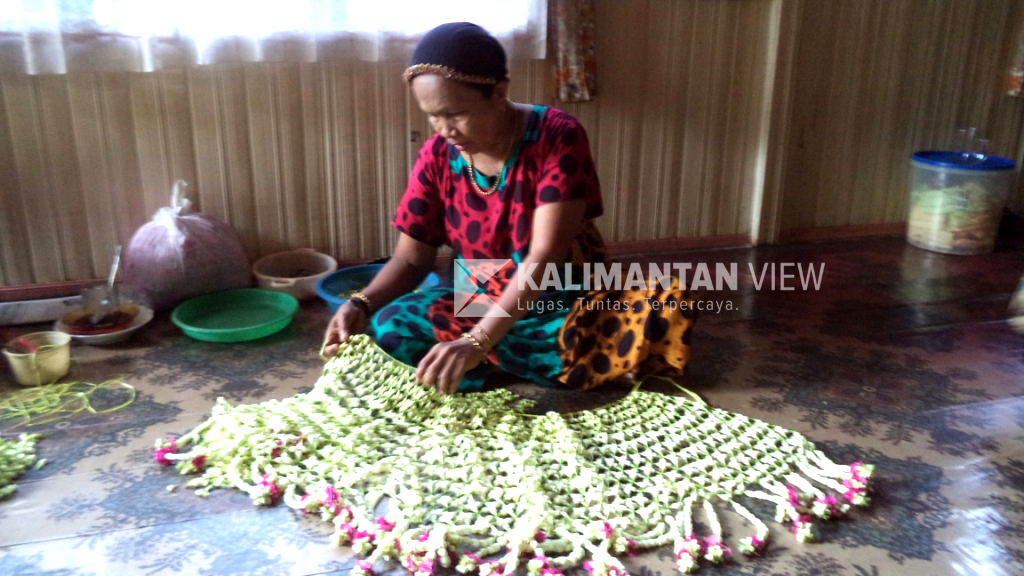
{"type": "Point", "coordinates": [875, 81]}
{"type": "Point", "coordinates": [676, 119]}
{"type": "Point", "coordinates": [318, 154]}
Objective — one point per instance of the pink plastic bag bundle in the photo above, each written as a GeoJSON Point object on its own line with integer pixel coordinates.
{"type": "Point", "coordinates": [179, 255]}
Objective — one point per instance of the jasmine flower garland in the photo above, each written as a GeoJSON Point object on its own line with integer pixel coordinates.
{"type": "Point", "coordinates": [476, 483]}
{"type": "Point", "coordinates": [15, 457]}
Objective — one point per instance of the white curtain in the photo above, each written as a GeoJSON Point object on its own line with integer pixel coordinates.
{"type": "Point", "coordinates": [60, 36]}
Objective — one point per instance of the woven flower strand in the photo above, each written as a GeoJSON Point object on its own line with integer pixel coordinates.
{"type": "Point", "coordinates": [15, 457]}
{"type": "Point", "coordinates": [476, 483]}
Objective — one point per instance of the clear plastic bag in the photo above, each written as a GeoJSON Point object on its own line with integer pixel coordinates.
{"type": "Point", "coordinates": [179, 255]}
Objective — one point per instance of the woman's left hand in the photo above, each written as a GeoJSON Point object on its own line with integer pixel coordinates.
{"type": "Point", "coordinates": [446, 363]}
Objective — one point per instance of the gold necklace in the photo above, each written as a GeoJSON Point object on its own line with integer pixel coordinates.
{"type": "Point", "coordinates": [508, 154]}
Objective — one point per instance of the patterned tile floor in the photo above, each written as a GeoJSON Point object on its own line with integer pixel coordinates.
{"type": "Point", "coordinates": [902, 358]}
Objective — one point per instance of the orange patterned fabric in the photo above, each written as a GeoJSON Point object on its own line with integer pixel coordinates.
{"type": "Point", "coordinates": [1014, 84]}
{"type": "Point", "coordinates": [571, 48]}
{"type": "Point", "coordinates": [613, 332]}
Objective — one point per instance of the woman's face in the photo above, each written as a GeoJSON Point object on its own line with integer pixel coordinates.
{"type": "Point", "coordinates": [463, 116]}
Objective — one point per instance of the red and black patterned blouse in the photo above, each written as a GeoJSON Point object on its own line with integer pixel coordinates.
{"type": "Point", "coordinates": [551, 164]}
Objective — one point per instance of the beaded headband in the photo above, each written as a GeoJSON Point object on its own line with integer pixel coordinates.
{"type": "Point", "coordinates": [418, 69]}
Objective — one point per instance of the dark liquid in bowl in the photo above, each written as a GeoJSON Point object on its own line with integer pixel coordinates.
{"type": "Point", "coordinates": [81, 322]}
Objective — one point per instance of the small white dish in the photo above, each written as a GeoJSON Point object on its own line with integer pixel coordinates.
{"type": "Point", "coordinates": [141, 319]}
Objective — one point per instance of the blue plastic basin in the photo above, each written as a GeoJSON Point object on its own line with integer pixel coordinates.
{"type": "Point", "coordinates": [337, 287]}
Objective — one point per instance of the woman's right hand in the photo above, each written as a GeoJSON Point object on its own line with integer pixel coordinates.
{"type": "Point", "coordinates": [349, 320]}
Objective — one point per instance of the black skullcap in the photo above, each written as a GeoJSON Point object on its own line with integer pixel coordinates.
{"type": "Point", "coordinates": [460, 51]}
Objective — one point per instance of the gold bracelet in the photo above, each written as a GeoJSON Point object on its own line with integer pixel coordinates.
{"type": "Point", "coordinates": [487, 339]}
{"type": "Point", "coordinates": [361, 296]}
{"type": "Point", "coordinates": [476, 343]}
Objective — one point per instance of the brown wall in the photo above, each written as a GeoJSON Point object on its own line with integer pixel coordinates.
{"type": "Point", "coordinates": [715, 119]}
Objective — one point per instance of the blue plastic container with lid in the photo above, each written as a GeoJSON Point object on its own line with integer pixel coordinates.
{"type": "Point", "coordinates": [957, 200]}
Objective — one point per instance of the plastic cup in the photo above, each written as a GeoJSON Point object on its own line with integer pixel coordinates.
{"type": "Point", "coordinates": [46, 366]}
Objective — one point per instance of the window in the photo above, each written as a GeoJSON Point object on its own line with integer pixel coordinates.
{"type": "Point", "coordinates": [39, 36]}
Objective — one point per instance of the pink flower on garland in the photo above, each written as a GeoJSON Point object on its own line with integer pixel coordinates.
{"type": "Point", "coordinates": [363, 568]}
{"type": "Point", "coordinates": [602, 569]}
{"type": "Point", "coordinates": [546, 569]}
{"type": "Point", "coordinates": [345, 532]}
{"type": "Point", "coordinates": [856, 481]}
{"type": "Point", "coordinates": [855, 471]}
{"type": "Point", "coordinates": [692, 545]}
{"type": "Point", "coordinates": [343, 512]}
{"type": "Point", "coordinates": [332, 501]}
{"type": "Point", "coordinates": [540, 536]}
{"type": "Point", "coordinates": [685, 562]}
{"type": "Point", "coordinates": [716, 550]}
{"type": "Point", "coordinates": [384, 526]}
{"type": "Point", "coordinates": [631, 547]}
{"type": "Point", "coordinates": [160, 454]}
{"type": "Point", "coordinates": [855, 489]}
{"type": "Point", "coordinates": [802, 519]}
{"type": "Point", "coordinates": [713, 540]}
{"type": "Point", "coordinates": [544, 562]}
{"type": "Point", "coordinates": [363, 541]}
{"type": "Point", "coordinates": [794, 497]}
{"type": "Point", "coordinates": [491, 568]}
{"type": "Point", "coordinates": [330, 495]}
{"type": "Point", "coordinates": [802, 528]}
{"type": "Point", "coordinates": [270, 489]}
{"type": "Point", "coordinates": [607, 531]}
{"type": "Point", "coordinates": [198, 462]}
{"type": "Point", "coordinates": [828, 505]}
{"type": "Point", "coordinates": [751, 546]}
{"type": "Point", "coordinates": [425, 567]}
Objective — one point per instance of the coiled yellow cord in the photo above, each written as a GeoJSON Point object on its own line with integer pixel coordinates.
{"type": "Point", "coordinates": [53, 402]}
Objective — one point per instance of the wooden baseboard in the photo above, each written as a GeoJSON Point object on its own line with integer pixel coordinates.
{"type": "Point", "coordinates": [42, 291]}
{"type": "Point", "coordinates": [841, 232]}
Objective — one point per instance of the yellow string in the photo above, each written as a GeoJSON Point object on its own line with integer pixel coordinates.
{"type": "Point", "coordinates": [53, 402]}
{"type": "Point", "coordinates": [685, 390]}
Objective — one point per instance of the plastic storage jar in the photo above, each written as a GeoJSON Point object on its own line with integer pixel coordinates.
{"type": "Point", "coordinates": [957, 200]}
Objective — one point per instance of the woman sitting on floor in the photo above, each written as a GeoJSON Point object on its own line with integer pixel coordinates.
{"type": "Point", "coordinates": [503, 180]}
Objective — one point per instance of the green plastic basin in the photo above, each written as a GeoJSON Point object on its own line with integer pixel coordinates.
{"type": "Point", "coordinates": [235, 315]}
